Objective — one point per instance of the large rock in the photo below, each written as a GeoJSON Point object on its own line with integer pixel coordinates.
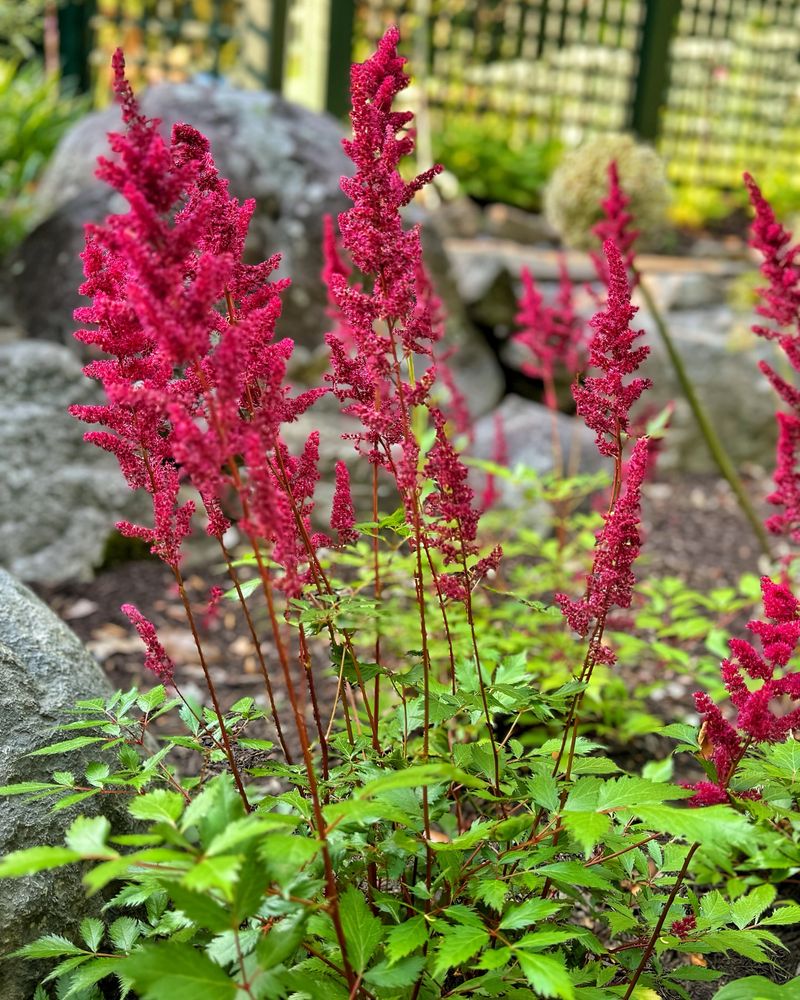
{"type": "Point", "coordinates": [44, 669]}
{"type": "Point", "coordinates": [529, 430]}
{"type": "Point", "coordinates": [288, 158]}
{"type": "Point", "coordinates": [59, 497]}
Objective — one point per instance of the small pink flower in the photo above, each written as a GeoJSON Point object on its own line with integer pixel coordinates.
{"type": "Point", "coordinates": [156, 659]}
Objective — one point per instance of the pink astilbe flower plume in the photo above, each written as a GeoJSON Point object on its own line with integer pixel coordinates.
{"type": "Point", "coordinates": [195, 381]}
{"type": "Point", "coordinates": [389, 322]}
{"type": "Point", "coordinates": [157, 659]}
{"type": "Point", "coordinates": [615, 225]}
{"type": "Point", "coordinates": [780, 303]}
{"type": "Point", "coordinates": [552, 334]}
{"type": "Point", "coordinates": [605, 401]}
{"type": "Point", "coordinates": [758, 719]}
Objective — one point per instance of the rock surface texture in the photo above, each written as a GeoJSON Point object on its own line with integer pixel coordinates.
{"type": "Point", "coordinates": [59, 497]}
{"type": "Point", "coordinates": [288, 158]}
{"type": "Point", "coordinates": [44, 669]}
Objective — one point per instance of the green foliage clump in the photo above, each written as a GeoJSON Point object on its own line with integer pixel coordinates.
{"type": "Point", "coordinates": [491, 165]}
{"type": "Point", "coordinates": [34, 114]}
{"type": "Point", "coordinates": [573, 197]}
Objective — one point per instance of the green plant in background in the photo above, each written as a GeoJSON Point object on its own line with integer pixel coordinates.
{"type": "Point", "coordinates": [34, 114]}
{"type": "Point", "coordinates": [693, 206]}
{"type": "Point", "coordinates": [21, 27]}
{"type": "Point", "coordinates": [490, 165]}
{"type": "Point", "coordinates": [573, 197]}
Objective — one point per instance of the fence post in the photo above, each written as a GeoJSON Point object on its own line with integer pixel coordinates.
{"type": "Point", "coordinates": [277, 45]}
{"type": "Point", "coordinates": [340, 49]}
{"type": "Point", "coordinates": [658, 30]}
{"type": "Point", "coordinates": [75, 43]}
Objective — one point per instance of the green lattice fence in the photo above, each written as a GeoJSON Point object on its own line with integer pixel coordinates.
{"type": "Point", "coordinates": [533, 71]}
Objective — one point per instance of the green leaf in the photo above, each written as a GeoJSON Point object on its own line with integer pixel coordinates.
{"type": "Point", "coordinates": [96, 772]}
{"type": "Point", "coordinates": [92, 931]}
{"type": "Point", "coordinates": [162, 806]}
{"type": "Point", "coordinates": [746, 909]}
{"type": "Point", "coordinates": [587, 828]}
{"type": "Point", "coordinates": [282, 941]}
{"type": "Point", "coordinates": [716, 826]}
{"type": "Point", "coordinates": [572, 873]}
{"type": "Point", "coordinates": [393, 977]}
{"type": "Point", "coordinates": [87, 835]}
{"type": "Point", "coordinates": [492, 892]}
{"type": "Point", "coordinates": [35, 859]}
{"type": "Point", "coordinates": [25, 786]}
{"type": "Point", "coordinates": [66, 745]}
{"type": "Point", "coordinates": [48, 946]}
{"type": "Point", "coordinates": [125, 932]}
{"type": "Point", "coordinates": [782, 915]}
{"type": "Point", "coordinates": [214, 873]}
{"type": "Point", "coordinates": [546, 975]}
{"type": "Point", "coordinates": [544, 791]}
{"type": "Point", "coordinates": [630, 791]}
{"type": "Point", "coordinates": [200, 909]}
{"type": "Point", "coordinates": [759, 988]}
{"type": "Point", "coordinates": [527, 913]}
{"type": "Point", "coordinates": [458, 945]}
{"type": "Point", "coordinates": [363, 931]}
{"type": "Point", "coordinates": [406, 937]}
{"type": "Point", "coordinates": [89, 974]}
{"type": "Point", "coordinates": [545, 939]}
{"type": "Point", "coordinates": [177, 972]}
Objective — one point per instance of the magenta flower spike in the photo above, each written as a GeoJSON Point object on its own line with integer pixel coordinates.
{"type": "Point", "coordinates": [759, 718]}
{"type": "Point", "coordinates": [605, 401]}
{"type": "Point", "coordinates": [615, 224]}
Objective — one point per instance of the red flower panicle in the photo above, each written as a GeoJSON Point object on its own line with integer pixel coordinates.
{"type": "Point", "coordinates": [759, 718]}
{"type": "Point", "coordinates": [343, 516]}
{"type": "Point", "coordinates": [611, 580]}
{"type": "Point", "coordinates": [157, 658]}
{"type": "Point", "coordinates": [780, 303]}
{"type": "Point", "coordinates": [389, 321]}
{"type": "Point", "coordinates": [553, 334]}
{"type": "Point", "coordinates": [615, 224]}
{"type": "Point", "coordinates": [605, 401]}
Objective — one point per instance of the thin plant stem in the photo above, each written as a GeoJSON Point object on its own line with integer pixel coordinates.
{"type": "Point", "coordinates": [257, 649]}
{"type": "Point", "coordinates": [706, 428]}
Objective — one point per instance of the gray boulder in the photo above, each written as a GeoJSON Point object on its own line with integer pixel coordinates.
{"type": "Point", "coordinates": [528, 431]}
{"type": "Point", "coordinates": [288, 158]}
{"type": "Point", "coordinates": [44, 669]}
{"type": "Point", "coordinates": [59, 497]}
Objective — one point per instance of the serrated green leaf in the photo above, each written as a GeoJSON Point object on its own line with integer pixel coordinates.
{"type": "Point", "coordinates": [282, 941]}
{"type": "Point", "coordinates": [713, 825]}
{"type": "Point", "coordinates": [782, 915]}
{"type": "Point", "coordinates": [25, 786]}
{"type": "Point", "coordinates": [35, 859]}
{"type": "Point", "coordinates": [64, 778]}
{"type": "Point", "coordinates": [90, 973]}
{"type": "Point", "coordinates": [125, 932]}
{"type": "Point", "coordinates": [88, 834]}
{"type": "Point", "coordinates": [175, 971]}
{"type": "Point", "coordinates": [363, 931]}
{"type": "Point", "coordinates": [161, 806]}
{"type": "Point", "coordinates": [152, 699]}
{"type": "Point", "coordinates": [587, 828]}
{"type": "Point", "coordinates": [492, 892]}
{"type": "Point", "coordinates": [632, 791]}
{"type": "Point", "coordinates": [392, 977]}
{"type": "Point", "coordinates": [572, 873]}
{"type": "Point", "coordinates": [406, 937]}
{"type": "Point", "coordinates": [65, 746]}
{"type": "Point", "coordinates": [48, 946]}
{"type": "Point", "coordinates": [746, 909]}
{"type": "Point", "coordinates": [457, 946]}
{"type": "Point", "coordinates": [527, 913]}
{"type": "Point", "coordinates": [214, 873]}
{"type": "Point", "coordinates": [546, 975]}
{"type": "Point", "coordinates": [537, 940]}
{"type": "Point", "coordinates": [758, 988]}
{"type": "Point", "coordinates": [543, 790]}
{"type": "Point", "coordinates": [199, 908]}
{"type": "Point", "coordinates": [71, 800]}
{"type": "Point", "coordinates": [96, 772]}
{"type": "Point", "coordinates": [92, 931]}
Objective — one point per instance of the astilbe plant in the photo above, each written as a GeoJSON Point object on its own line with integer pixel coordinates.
{"type": "Point", "coordinates": [416, 849]}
